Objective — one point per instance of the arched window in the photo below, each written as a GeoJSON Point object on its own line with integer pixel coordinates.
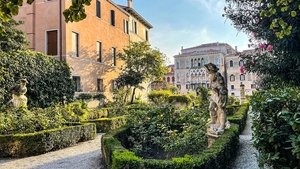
{"type": "Point", "coordinates": [168, 79]}
{"type": "Point", "coordinates": [232, 78]}
{"type": "Point", "coordinates": [192, 63]}
{"type": "Point", "coordinates": [241, 63]}
{"type": "Point", "coordinates": [231, 63]}
{"type": "Point", "coordinates": [195, 62]}
{"type": "Point", "coordinates": [202, 62]}
{"type": "Point", "coordinates": [199, 62]}
{"type": "Point", "coordinates": [173, 79]}
{"type": "Point", "coordinates": [242, 77]}
{"type": "Point", "coordinates": [164, 79]}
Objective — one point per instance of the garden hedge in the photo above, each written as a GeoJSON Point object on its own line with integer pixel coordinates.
{"type": "Point", "coordinates": [217, 156]}
{"type": "Point", "coordinates": [240, 117]}
{"type": "Point", "coordinates": [22, 145]}
{"type": "Point", "coordinates": [104, 125]}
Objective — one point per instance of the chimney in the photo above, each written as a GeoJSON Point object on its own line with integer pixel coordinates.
{"type": "Point", "coordinates": [129, 3]}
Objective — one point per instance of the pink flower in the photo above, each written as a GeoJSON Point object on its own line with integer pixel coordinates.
{"type": "Point", "coordinates": [242, 69]}
{"type": "Point", "coordinates": [262, 46]}
{"type": "Point", "coordinates": [270, 48]}
{"type": "Point", "coordinates": [254, 34]}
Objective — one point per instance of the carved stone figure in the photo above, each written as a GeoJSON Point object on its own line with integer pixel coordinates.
{"type": "Point", "coordinates": [218, 101]}
{"type": "Point", "coordinates": [18, 94]}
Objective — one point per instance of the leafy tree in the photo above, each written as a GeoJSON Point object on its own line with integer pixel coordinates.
{"type": "Point", "coordinates": [13, 39]}
{"type": "Point", "coordinates": [274, 29]}
{"type": "Point", "coordinates": [9, 8]}
{"type": "Point", "coordinates": [142, 63]}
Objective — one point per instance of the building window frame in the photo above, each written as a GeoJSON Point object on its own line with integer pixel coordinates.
{"type": "Point", "coordinates": [147, 35]}
{"type": "Point", "coordinates": [99, 49]}
{"type": "Point", "coordinates": [242, 77]}
{"type": "Point", "coordinates": [232, 87]}
{"type": "Point", "coordinates": [77, 83]}
{"type": "Point", "coordinates": [232, 78]}
{"type": "Point", "coordinates": [230, 63]}
{"type": "Point", "coordinates": [114, 56]}
{"type": "Point", "coordinates": [57, 41]}
{"type": "Point", "coordinates": [98, 8]}
{"type": "Point", "coordinates": [112, 18]}
{"type": "Point", "coordinates": [100, 85]}
{"type": "Point", "coordinates": [75, 47]}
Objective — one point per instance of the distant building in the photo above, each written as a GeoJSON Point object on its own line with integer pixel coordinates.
{"type": "Point", "coordinates": [237, 76]}
{"type": "Point", "coordinates": [190, 72]}
{"type": "Point", "coordinates": [90, 46]}
{"type": "Point", "coordinates": [169, 77]}
{"type": "Point", "coordinates": [189, 65]}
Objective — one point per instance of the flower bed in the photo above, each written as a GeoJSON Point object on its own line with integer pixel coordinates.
{"type": "Point", "coordinates": [104, 125]}
{"type": "Point", "coordinates": [217, 156]}
{"type": "Point", "coordinates": [22, 145]}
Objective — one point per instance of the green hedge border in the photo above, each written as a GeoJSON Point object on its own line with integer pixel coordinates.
{"type": "Point", "coordinates": [104, 125]}
{"type": "Point", "coordinates": [23, 145]}
{"type": "Point", "coordinates": [240, 117]}
{"type": "Point", "coordinates": [218, 156]}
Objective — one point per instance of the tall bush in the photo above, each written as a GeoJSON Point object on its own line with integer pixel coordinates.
{"type": "Point", "coordinates": [276, 126]}
{"type": "Point", "coordinates": [49, 80]}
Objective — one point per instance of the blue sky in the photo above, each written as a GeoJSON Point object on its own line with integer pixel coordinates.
{"type": "Point", "coordinates": [187, 23]}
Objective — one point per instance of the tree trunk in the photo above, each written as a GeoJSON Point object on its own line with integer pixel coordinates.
{"type": "Point", "coordinates": [132, 96]}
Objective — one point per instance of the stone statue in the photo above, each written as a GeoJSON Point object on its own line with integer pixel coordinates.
{"type": "Point", "coordinates": [18, 94]}
{"type": "Point", "coordinates": [218, 101]}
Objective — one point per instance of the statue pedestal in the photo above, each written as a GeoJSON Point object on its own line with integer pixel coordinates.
{"type": "Point", "coordinates": [211, 138]}
{"type": "Point", "coordinates": [19, 101]}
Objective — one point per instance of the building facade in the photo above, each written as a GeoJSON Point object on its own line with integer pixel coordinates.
{"type": "Point", "coordinates": [189, 65]}
{"type": "Point", "coordinates": [169, 77]}
{"type": "Point", "coordinates": [190, 72]}
{"type": "Point", "coordinates": [90, 46]}
{"type": "Point", "coordinates": [236, 76]}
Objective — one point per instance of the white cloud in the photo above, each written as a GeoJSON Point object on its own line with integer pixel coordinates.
{"type": "Point", "coordinates": [212, 6]}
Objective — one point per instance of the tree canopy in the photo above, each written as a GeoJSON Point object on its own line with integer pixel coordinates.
{"type": "Point", "coordinates": [273, 27]}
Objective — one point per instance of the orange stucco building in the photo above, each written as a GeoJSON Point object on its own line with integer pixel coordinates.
{"type": "Point", "coordinates": [90, 46]}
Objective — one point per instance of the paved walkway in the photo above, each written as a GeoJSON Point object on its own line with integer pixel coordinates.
{"type": "Point", "coordinates": [246, 156]}
{"type": "Point", "coordinates": [86, 155]}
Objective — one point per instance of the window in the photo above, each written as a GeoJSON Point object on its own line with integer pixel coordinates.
{"type": "Point", "coordinates": [253, 86]}
{"type": "Point", "coordinates": [177, 65]}
{"type": "Point", "coordinates": [250, 77]}
{"type": "Point", "coordinates": [164, 79]}
{"type": "Point", "coordinates": [75, 44]}
{"type": "Point", "coordinates": [173, 79]}
{"type": "Point", "coordinates": [114, 85]}
{"type": "Point", "coordinates": [98, 8]}
{"type": "Point", "coordinates": [178, 86]}
{"type": "Point", "coordinates": [242, 77]}
{"type": "Point", "coordinates": [202, 62]}
{"type": "Point", "coordinates": [134, 26]}
{"type": "Point", "coordinates": [125, 25]}
{"type": "Point", "coordinates": [199, 62]}
{"type": "Point", "coordinates": [232, 78]}
{"type": "Point", "coordinates": [100, 87]}
{"type": "Point", "coordinates": [187, 86]}
{"type": "Point", "coordinates": [99, 51]}
{"type": "Point", "coordinates": [232, 87]}
{"type": "Point", "coordinates": [114, 56]}
{"type": "Point", "coordinates": [232, 94]}
{"type": "Point", "coordinates": [231, 63]}
{"type": "Point", "coordinates": [147, 36]}
{"type": "Point", "coordinates": [76, 80]}
{"type": "Point", "coordinates": [241, 63]}
{"type": "Point", "coordinates": [52, 44]}
{"type": "Point", "coordinates": [192, 63]}
{"type": "Point", "coordinates": [112, 18]}
{"type": "Point", "coordinates": [168, 79]}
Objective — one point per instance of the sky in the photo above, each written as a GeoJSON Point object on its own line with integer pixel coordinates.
{"type": "Point", "coordinates": [187, 23]}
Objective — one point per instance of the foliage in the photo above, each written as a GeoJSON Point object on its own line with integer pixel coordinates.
{"type": "Point", "coordinates": [13, 39]}
{"type": "Point", "coordinates": [49, 80]}
{"type": "Point", "coordinates": [75, 12]}
{"type": "Point", "coordinates": [159, 96]}
{"type": "Point", "coordinates": [203, 95]}
{"type": "Point", "coordinates": [99, 96]}
{"type": "Point", "coordinates": [84, 96]}
{"type": "Point", "coordinates": [240, 116]}
{"type": "Point", "coordinates": [218, 156]}
{"type": "Point", "coordinates": [233, 101]}
{"type": "Point", "coordinates": [21, 120]}
{"type": "Point", "coordinates": [104, 125]}
{"type": "Point", "coordinates": [179, 98]}
{"type": "Point", "coordinates": [163, 132]}
{"type": "Point", "coordinates": [274, 24]}
{"type": "Point", "coordinates": [142, 63]}
{"type": "Point", "coordinates": [22, 145]}
{"type": "Point", "coordinates": [276, 126]}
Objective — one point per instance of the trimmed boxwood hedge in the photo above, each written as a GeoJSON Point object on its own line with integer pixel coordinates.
{"type": "Point", "coordinates": [104, 125]}
{"type": "Point", "coordinates": [240, 117]}
{"type": "Point", "coordinates": [217, 156]}
{"type": "Point", "coordinates": [22, 145]}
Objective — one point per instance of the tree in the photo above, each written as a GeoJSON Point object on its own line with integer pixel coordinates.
{"type": "Point", "coordinates": [274, 29]}
{"type": "Point", "coordinates": [9, 8]}
{"type": "Point", "coordinates": [142, 63]}
{"type": "Point", "coordinates": [13, 39]}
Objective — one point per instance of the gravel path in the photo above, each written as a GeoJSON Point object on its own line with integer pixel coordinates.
{"type": "Point", "coordinates": [246, 156]}
{"type": "Point", "coordinates": [86, 155]}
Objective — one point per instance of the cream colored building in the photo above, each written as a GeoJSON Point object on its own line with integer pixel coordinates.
{"type": "Point", "coordinates": [90, 46]}
{"type": "Point", "coordinates": [189, 65]}
{"type": "Point", "coordinates": [236, 77]}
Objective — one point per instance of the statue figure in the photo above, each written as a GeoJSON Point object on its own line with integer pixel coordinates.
{"type": "Point", "coordinates": [218, 101]}
{"type": "Point", "coordinates": [18, 94]}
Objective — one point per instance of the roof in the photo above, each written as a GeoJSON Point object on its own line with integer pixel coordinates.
{"type": "Point", "coordinates": [208, 45]}
{"type": "Point", "coordinates": [136, 15]}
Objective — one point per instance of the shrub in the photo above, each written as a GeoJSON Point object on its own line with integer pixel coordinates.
{"type": "Point", "coordinates": [84, 96]}
{"type": "Point", "coordinates": [49, 79]}
{"type": "Point", "coordinates": [276, 127]}
{"type": "Point", "coordinates": [240, 116]}
{"type": "Point", "coordinates": [98, 113]}
{"type": "Point", "coordinates": [104, 125]}
{"type": "Point", "coordinates": [99, 96]}
{"type": "Point", "coordinates": [21, 145]}
{"type": "Point", "coordinates": [179, 98]}
{"type": "Point", "coordinates": [159, 96]}
{"type": "Point", "coordinates": [217, 156]}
